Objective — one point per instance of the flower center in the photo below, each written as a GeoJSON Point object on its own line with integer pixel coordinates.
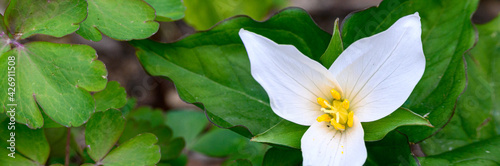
{"type": "Point", "coordinates": [336, 113]}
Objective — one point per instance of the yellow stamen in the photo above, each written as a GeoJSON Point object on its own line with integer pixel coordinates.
{"type": "Point", "coordinates": [337, 126]}
{"type": "Point", "coordinates": [335, 94]}
{"type": "Point", "coordinates": [323, 102]}
{"type": "Point", "coordinates": [324, 118]}
{"type": "Point", "coordinates": [350, 119]}
{"type": "Point", "coordinates": [345, 104]}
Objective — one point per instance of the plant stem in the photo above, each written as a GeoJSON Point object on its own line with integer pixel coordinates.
{"type": "Point", "coordinates": [68, 136]}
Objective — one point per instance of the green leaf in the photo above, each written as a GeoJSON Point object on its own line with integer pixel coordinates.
{"type": "Point", "coordinates": [57, 77]}
{"type": "Point", "coordinates": [186, 124]}
{"type": "Point", "coordinates": [282, 157]}
{"type": "Point", "coordinates": [252, 151]}
{"type": "Point", "coordinates": [212, 67]}
{"type": "Point", "coordinates": [444, 78]}
{"type": "Point", "coordinates": [168, 10]}
{"type": "Point", "coordinates": [30, 146]}
{"type": "Point", "coordinates": [151, 121]}
{"type": "Point", "coordinates": [285, 133]}
{"type": "Point", "coordinates": [240, 162]}
{"type": "Point", "coordinates": [102, 132]}
{"type": "Point", "coordinates": [55, 18]}
{"type": "Point", "coordinates": [121, 20]}
{"type": "Point", "coordinates": [392, 150]}
{"type": "Point", "coordinates": [335, 48]}
{"type": "Point", "coordinates": [483, 152]}
{"type": "Point", "coordinates": [477, 116]}
{"type": "Point", "coordinates": [114, 96]}
{"type": "Point", "coordinates": [129, 106]}
{"type": "Point", "coordinates": [376, 130]}
{"type": "Point", "coordinates": [140, 150]}
{"type": "Point", "coordinates": [202, 14]}
{"type": "Point", "coordinates": [219, 143]}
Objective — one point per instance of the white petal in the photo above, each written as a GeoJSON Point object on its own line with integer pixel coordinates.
{"type": "Point", "coordinates": [322, 145]}
{"type": "Point", "coordinates": [378, 73]}
{"type": "Point", "coordinates": [292, 80]}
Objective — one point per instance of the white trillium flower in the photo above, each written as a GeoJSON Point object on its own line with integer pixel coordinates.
{"type": "Point", "coordinates": [371, 79]}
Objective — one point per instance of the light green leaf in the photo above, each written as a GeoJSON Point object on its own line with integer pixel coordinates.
{"type": "Point", "coordinates": [129, 106]}
{"type": "Point", "coordinates": [57, 77]}
{"type": "Point", "coordinates": [121, 20]}
{"type": "Point", "coordinates": [102, 132]}
{"type": "Point", "coordinates": [252, 151]}
{"type": "Point", "coordinates": [285, 133]}
{"type": "Point", "coordinates": [153, 116]}
{"type": "Point", "coordinates": [444, 78]}
{"type": "Point", "coordinates": [30, 146]}
{"type": "Point", "coordinates": [56, 18]}
{"type": "Point", "coordinates": [219, 143]}
{"type": "Point", "coordinates": [203, 14]}
{"type": "Point", "coordinates": [187, 124]}
{"type": "Point", "coordinates": [213, 68]}
{"type": "Point", "coordinates": [335, 48]}
{"type": "Point", "coordinates": [282, 157]}
{"type": "Point", "coordinates": [376, 130]}
{"type": "Point", "coordinates": [240, 162]}
{"type": "Point", "coordinates": [168, 10]}
{"type": "Point", "coordinates": [113, 96]}
{"type": "Point", "coordinates": [140, 150]}
{"type": "Point", "coordinates": [477, 116]}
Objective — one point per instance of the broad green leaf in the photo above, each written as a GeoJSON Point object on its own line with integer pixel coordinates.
{"type": "Point", "coordinates": [392, 150]}
{"type": "Point", "coordinates": [140, 150]}
{"type": "Point", "coordinates": [30, 146]}
{"type": "Point", "coordinates": [186, 124]}
{"type": "Point", "coordinates": [219, 143]}
{"type": "Point", "coordinates": [167, 10]}
{"type": "Point", "coordinates": [335, 48]}
{"type": "Point", "coordinates": [113, 96]}
{"type": "Point", "coordinates": [203, 14]}
{"type": "Point", "coordinates": [240, 162]}
{"type": "Point", "coordinates": [252, 151]}
{"type": "Point", "coordinates": [447, 33]}
{"type": "Point", "coordinates": [56, 18]}
{"type": "Point", "coordinates": [148, 120]}
{"type": "Point", "coordinates": [282, 157]}
{"type": "Point", "coordinates": [121, 20]}
{"type": "Point", "coordinates": [484, 152]}
{"type": "Point", "coordinates": [289, 134]}
{"type": "Point", "coordinates": [212, 67]}
{"type": "Point", "coordinates": [477, 115]}
{"type": "Point", "coordinates": [102, 132]}
{"type": "Point", "coordinates": [57, 77]}
{"type": "Point", "coordinates": [376, 130]}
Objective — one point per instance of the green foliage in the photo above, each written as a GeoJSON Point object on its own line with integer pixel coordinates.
{"type": "Point", "coordinates": [203, 14]}
{"type": "Point", "coordinates": [113, 96]}
{"type": "Point", "coordinates": [186, 124]}
{"type": "Point", "coordinates": [25, 18]}
{"type": "Point", "coordinates": [31, 146]}
{"type": "Point", "coordinates": [102, 131]}
{"type": "Point", "coordinates": [56, 77]}
{"type": "Point", "coordinates": [334, 49]}
{"type": "Point", "coordinates": [282, 157]}
{"type": "Point", "coordinates": [121, 20]}
{"type": "Point", "coordinates": [167, 10]}
{"type": "Point", "coordinates": [140, 150]}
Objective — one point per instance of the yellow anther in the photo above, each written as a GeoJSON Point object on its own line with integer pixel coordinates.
{"type": "Point", "coordinates": [345, 104]}
{"type": "Point", "coordinates": [335, 94]}
{"type": "Point", "coordinates": [324, 118]}
{"type": "Point", "coordinates": [323, 102]}
{"type": "Point", "coordinates": [350, 119]}
{"type": "Point", "coordinates": [337, 126]}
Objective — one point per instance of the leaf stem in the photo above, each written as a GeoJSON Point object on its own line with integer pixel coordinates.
{"type": "Point", "coordinates": [68, 136]}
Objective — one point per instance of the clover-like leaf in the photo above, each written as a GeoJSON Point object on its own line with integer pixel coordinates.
{"type": "Point", "coordinates": [25, 18]}
{"type": "Point", "coordinates": [56, 77]}
{"type": "Point", "coordinates": [121, 20]}
{"type": "Point", "coordinates": [202, 14]}
{"type": "Point", "coordinates": [187, 124]}
{"type": "Point", "coordinates": [219, 143]}
{"type": "Point", "coordinates": [212, 67]}
{"type": "Point", "coordinates": [168, 10]}
{"type": "Point", "coordinates": [447, 22]}
{"type": "Point", "coordinates": [102, 132]}
{"type": "Point", "coordinates": [22, 145]}
{"type": "Point", "coordinates": [113, 96]}
{"type": "Point", "coordinates": [140, 150]}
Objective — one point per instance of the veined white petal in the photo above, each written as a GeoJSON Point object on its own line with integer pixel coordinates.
{"type": "Point", "coordinates": [292, 80]}
{"type": "Point", "coordinates": [378, 73]}
{"type": "Point", "coordinates": [322, 145]}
